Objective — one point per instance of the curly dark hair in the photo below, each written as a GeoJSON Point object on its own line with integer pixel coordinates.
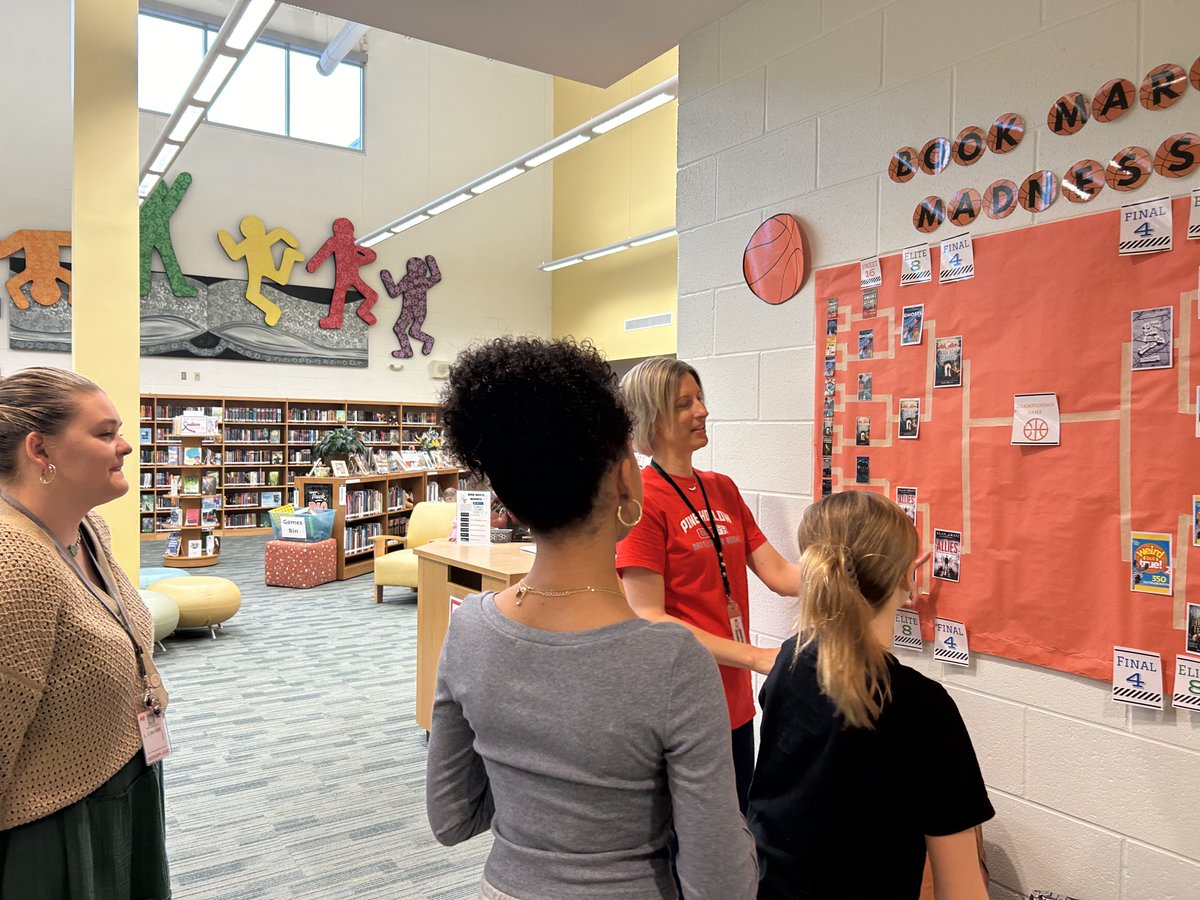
{"type": "Point", "coordinates": [542, 420]}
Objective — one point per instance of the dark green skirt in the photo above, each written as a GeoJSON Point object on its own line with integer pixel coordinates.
{"type": "Point", "coordinates": [111, 845]}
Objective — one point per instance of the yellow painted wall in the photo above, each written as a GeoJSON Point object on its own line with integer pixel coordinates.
{"type": "Point", "coordinates": [619, 185]}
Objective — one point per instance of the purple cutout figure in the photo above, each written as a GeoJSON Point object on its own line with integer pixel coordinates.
{"type": "Point", "coordinates": [422, 275]}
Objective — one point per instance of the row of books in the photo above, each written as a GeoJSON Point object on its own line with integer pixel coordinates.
{"type": "Point", "coordinates": [428, 417]}
{"type": "Point", "coordinates": [178, 455]}
{"type": "Point", "coordinates": [358, 536]}
{"type": "Point", "coordinates": [272, 457]}
{"type": "Point", "coordinates": [253, 435]}
{"type": "Point", "coordinates": [253, 414]}
{"type": "Point", "coordinates": [247, 520]}
{"type": "Point", "coordinates": [253, 477]}
{"type": "Point", "coordinates": [299, 414]}
{"type": "Point", "coordinates": [363, 502]}
{"type": "Point", "coordinates": [208, 483]}
{"type": "Point", "coordinates": [209, 545]}
{"type": "Point", "coordinates": [372, 416]}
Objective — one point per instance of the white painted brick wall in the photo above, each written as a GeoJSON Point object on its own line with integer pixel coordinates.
{"type": "Point", "coordinates": [730, 385]}
{"type": "Point", "coordinates": [796, 105]}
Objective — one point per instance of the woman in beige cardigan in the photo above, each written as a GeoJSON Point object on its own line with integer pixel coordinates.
{"type": "Point", "coordinates": [81, 706]}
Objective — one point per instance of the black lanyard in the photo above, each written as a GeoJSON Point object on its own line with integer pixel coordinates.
{"type": "Point", "coordinates": [122, 619]}
{"type": "Point", "coordinates": [710, 526]}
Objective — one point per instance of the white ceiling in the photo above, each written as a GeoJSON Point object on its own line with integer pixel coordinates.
{"type": "Point", "coordinates": [592, 41]}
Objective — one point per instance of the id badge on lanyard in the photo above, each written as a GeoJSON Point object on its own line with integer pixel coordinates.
{"type": "Point", "coordinates": [736, 626]}
{"type": "Point", "coordinates": [152, 723]}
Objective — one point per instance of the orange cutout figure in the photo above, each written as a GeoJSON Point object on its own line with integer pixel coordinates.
{"type": "Point", "coordinates": [256, 249]}
{"type": "Point", "coordinates": [43, 270]}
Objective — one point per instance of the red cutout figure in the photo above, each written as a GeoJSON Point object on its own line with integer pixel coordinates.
{"type": "Point", "coordinates": [348, 257]}
{"type": "Point", "coordinates": [422, 275]}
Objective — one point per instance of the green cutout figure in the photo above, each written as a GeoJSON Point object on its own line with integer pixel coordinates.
{"type": "Point", "coordinates": [156, 234]}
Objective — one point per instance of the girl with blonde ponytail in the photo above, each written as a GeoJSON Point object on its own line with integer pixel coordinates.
{"type": "Point", "coordinates": [862, 758]}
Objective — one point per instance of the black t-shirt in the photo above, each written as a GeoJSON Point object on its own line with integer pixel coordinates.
{"type": "Point", "coordinates": [843, 812]}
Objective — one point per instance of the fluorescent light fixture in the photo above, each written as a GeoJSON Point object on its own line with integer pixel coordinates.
{"type": "Point", "coordinates": [163, 160]}
{"type": "Point", "coordinates": [633, 112]}
{"type": "Point", "coordinates": [372, 241]}
{"type": "Point", "coordinates": [188, 120]}
{"type": "Point", "coordinates": [240, 29]}
{"type": "Point", "coordinates": [409, 223]}
{"type": "Point", "coordinates": [652, 237]}
{"type": "Point", "coordinates": [496, 180]}
{"type": "Point", "coordinates": [557, 150]}
{"type": "Point", "coordinates": [555, 147]}
{"type": "Point", "coordinates": [251, 22]}
{"type": "Point", "coordinates": [449, 204]}
{"type": "Point", "coordinates": [561, 264]}
{"type": "Point", "coordinates": [607, 251]}
{"type": "Point", "coordinates": [148, 184]}
{"type": "Point", "coordinates": [215, 79]}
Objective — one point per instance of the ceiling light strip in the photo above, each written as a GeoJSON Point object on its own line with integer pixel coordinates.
{"type": "Point", "coordinates": [619, 115]}
{"type": "Point", "coordinates": [640, 241]}
{"type": "Point", "coordinates": [238, 32]}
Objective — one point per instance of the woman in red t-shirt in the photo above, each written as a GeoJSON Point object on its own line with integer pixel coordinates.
{"type": "Point", "coordinates": [686, 560]}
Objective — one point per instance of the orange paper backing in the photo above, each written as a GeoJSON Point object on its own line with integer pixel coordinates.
{"type": "Point", "coordinates": [1046, 530]}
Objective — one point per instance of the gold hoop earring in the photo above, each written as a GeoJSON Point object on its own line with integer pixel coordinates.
{"type": "Point", "coordinates": [49, 470]}
{"type": "Point", "coordinates": [621, 518]}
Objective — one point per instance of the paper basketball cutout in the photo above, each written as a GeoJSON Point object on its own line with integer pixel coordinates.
{"type": "Point", "coordinates": [775, 262]}
{"type": "Point", "coordinates": [1178, 155]}
{"type": "Point", "coordinates": [1128, 169]}
{"type": "Point", "coordinates": [1162, 86]}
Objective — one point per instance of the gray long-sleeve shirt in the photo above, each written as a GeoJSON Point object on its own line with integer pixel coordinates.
{"type": "Point", "coordinates": [579, 750]}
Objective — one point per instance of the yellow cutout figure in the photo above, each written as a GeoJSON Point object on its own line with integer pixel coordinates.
{"type": "Point", "coordinates": [256, 249]}
{"type": "Point", "coordinates": [43, 270]}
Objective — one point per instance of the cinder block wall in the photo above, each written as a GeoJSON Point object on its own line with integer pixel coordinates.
{"type": "Point", "coordinates": [796, 105]}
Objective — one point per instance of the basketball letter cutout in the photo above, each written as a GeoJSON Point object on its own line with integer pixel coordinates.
{"type": "Point", "coordinates": [775, 262]}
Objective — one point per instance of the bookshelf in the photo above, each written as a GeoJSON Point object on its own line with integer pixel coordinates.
{"type": "Point", "coordinates": [260, 451]}
{"type": "Point", "coordinates": [369, 505]}
{"type": "Point", "coordinates": [191, 538]}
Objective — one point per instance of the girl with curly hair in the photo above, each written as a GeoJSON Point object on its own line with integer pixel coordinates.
{"type": "Point", "coordinates": [573, 729]}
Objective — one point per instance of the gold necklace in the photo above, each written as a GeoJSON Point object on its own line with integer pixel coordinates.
{"type": "Point", "coordinates": [523, 589]}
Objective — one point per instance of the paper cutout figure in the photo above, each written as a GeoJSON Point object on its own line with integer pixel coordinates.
{"type": "Point", "coordinates": [348, 257]}
{"type": "Point", "coordinates": [422, 275]}
{"type": "Point", "coordinates": [43, 270]}
{"type": "Point", "coordinates": [256, 249]}
{"type": "Point", "coordinates": [155, 222]}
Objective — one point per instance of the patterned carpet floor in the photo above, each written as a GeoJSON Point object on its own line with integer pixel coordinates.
{"type": "Point", "coordinates": [298, 769]}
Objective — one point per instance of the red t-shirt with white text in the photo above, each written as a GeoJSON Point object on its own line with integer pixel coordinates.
{"type": "Point", "coordinates": [671, 541]}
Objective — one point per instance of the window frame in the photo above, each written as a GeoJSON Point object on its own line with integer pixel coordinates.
{"type": "Point", "coordinates": [209, 26]}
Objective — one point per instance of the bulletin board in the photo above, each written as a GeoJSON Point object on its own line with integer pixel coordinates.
{"type": "Point", "coordinates": [1045, 572]}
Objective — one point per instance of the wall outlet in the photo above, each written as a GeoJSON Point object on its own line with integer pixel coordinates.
{"type": "Point", "coordinates": [183, 376]}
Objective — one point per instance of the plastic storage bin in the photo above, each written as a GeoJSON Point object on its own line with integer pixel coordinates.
{"type": "Point", "coordinates": [303, 525]}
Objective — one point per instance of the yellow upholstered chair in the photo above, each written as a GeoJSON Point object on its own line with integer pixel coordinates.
{"type": "Point", "coordinates": [428, 522]}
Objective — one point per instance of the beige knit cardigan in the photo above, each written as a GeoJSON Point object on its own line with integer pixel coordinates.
{"type": "Point", "coordinates": [69, 686]}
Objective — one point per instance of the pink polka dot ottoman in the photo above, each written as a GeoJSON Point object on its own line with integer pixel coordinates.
{"type": "Point", "coordinates": [296, 564]}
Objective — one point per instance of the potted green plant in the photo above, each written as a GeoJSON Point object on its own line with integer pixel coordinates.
{"type": "Point", "coordinates": [339, 443]}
